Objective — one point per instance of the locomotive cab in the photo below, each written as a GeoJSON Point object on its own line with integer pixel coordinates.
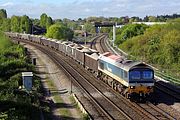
{"type": "Point", "coordinates": [141, 81]}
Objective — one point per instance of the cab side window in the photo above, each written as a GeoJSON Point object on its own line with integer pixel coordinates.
{"type": "Point", "coordinates": [125, 74]}
{"type": "Point", "coordinates": [101, 65]}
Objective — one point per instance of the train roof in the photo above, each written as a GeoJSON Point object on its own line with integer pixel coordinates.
{"type": "Point", "coordinates": [58, 41]}
{"type": "Point", "coordinates": [70, 44]}
{"type": "Point", "coordinates": [77, 46]}
{"type": "Point", "coordinates": [93, 55]}
{"type": "Point", "coordinates": [95, 51]}
{"type": "Point", "coordinates": [53, 40]}
{"type": "Point", "coordinates": [43, 37]}
{"type": "Point", "coordinates": [49, 39]}
{"type": "Point", "coordinates": [66, 42]}
{"type": "Point", "coordinates": [86, 50]}
{"type": "Point", "coordinates": [120, 61]}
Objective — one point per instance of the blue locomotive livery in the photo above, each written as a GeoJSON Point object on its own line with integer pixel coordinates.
{"type": "Point", "coordinates": [131, 78]}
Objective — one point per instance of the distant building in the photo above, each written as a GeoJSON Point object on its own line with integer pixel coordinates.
{"type": "Point", "coordinates": [149, 23]}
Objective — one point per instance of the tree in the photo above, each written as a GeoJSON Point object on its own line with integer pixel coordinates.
{"type": "Point", "coordinates": [152, 19]}
{"type": "Point", "coordinates": [146, 19]}
{"type": "Point", "coordinates": [49, 22]}
{"type": "Point", "coordinates": [159, 45]}
{"type": "Point", "coordinates": [36, 22]}
{"type": "Point", "coordinates": [25, 25]}
{"type": "Point", "coordinates": [15, 23]}
{"type": "Point", "coordinates": [6, 25]}
{"type": "Point", "coordinates": [72, 25]}
{"type": "Point", "coordinates": [3, 13]}
{"type": "Point", "coordinates": [59, 31]}
{"type": "Point", "coordinates": [43, 20]}
{"type": "Point", "coordinates": [88, 27]}
{"type": "Point", "coordinates": [129, 31]}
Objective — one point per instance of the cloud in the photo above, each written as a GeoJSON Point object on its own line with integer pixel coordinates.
{"type": "Point", "coordinates": [87, 10]}
{"type": "Point", "coordinates": [7, 4]}
{"type": "Point", "coordinates": [75, 9]}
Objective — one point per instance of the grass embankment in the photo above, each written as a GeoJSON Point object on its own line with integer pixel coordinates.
{"type": "Point", "coordinates": [159, 46]}
{"type": "Point", "coordinates": [16, 103]}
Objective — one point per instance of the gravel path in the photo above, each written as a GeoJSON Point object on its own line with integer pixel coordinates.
{"type": "Point", "coordinates": [49, 71]}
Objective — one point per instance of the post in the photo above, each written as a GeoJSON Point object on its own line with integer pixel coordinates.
{"type": "Point", "coordinates": [32, 29]}
{"type": "Point", "coordinates": [114, 34]}
{"type": "Point", "coordinates": [85, 38]}
{"type": "Point", "coordinates": [71, 88]}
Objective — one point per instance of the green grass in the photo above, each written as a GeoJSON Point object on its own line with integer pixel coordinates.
{"type": "Point", "coordinates": [84, 116]}
{"type": "Point", "coordinates": [58, 99]}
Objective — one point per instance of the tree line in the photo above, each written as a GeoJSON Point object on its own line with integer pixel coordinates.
{"type": "Point", "coordinates": [24, 24]}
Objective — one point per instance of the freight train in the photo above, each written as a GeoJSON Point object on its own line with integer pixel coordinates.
{"type": "Point", "coordinates": [133, 79]}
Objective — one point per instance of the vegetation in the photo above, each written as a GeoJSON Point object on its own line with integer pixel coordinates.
{"type": "Point", "coordinates": [159, 45]}
{"type": "Point", "coordinates": [3, 13]}
{"type": "Point", "coordinates": [16, 103]}
{"type": "Point", "coordinates": [59, 31]}
{"type": "Point", "coordinates": [128, 31]}
{"type": "Point", "coordinates": [45, 21]}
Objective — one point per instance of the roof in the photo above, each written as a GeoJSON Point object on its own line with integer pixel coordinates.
{"type": "Point", "coordinates": [119, 61]}
{"type": "Point", "coordinates": [58, 41]}
{"type": "Point", "coordinates": [94, 51]}
{"type": "Point", "coordinates": [113, 56]}
{"type": "Point", "coordinates": [94, 56]}
{"type": "Point", "coordinates": [27, 74]}
{"type": "Point", "coordinates": [77, 46]}
{"type": "Point", "coordinates": [86, 50]}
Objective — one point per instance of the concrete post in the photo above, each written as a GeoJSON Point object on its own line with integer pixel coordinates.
{"type": "Point", "coordinates": [114, 33]}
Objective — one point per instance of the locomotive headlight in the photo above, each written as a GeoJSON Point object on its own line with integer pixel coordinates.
{"type": "Point", "coordinates": [132, 87]}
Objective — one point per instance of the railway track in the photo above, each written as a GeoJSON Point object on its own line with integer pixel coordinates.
{"type": "Point", "coordinates": [107, 109]}
{"type": "Point", "coordinates": [170, 90]}
{"type": "Point", "coordinates": [162, 86]}
{"type": "Point", "coordinates": [157, 112]}
{"type": "Point", "coordinates": [152, 111]}
{"type": "Point", "coordinates": [93, 43]}
{"type": "Point", "coordinates": [100, 41]}
{"type": "Point", "coordinates": [107, 102]}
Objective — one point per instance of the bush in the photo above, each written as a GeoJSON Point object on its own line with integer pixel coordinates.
{"type": "Point", "coordinates": [159, 45]}
{"type": "Point", "coordinates": [15, 103]}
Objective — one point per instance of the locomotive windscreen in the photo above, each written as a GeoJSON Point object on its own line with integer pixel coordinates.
{"type": "Point", "coordinates": [137, 75]}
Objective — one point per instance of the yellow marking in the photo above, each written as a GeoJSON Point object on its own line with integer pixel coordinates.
{"type": "Point", "coordinates": [140, 89]}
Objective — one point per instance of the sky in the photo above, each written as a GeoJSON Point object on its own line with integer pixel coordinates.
{"type": "Point", "coordinates": [74, 9]}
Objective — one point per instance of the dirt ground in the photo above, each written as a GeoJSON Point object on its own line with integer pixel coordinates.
{"type": "Point", "coordinates": [50, 72]}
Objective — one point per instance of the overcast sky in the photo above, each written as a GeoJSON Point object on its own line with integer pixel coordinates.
{"type": "Point", "coordinates": [74, 9]}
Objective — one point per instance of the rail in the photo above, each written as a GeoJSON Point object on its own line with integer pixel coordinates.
{"type": "Point", "coordinates": [108, 109]}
